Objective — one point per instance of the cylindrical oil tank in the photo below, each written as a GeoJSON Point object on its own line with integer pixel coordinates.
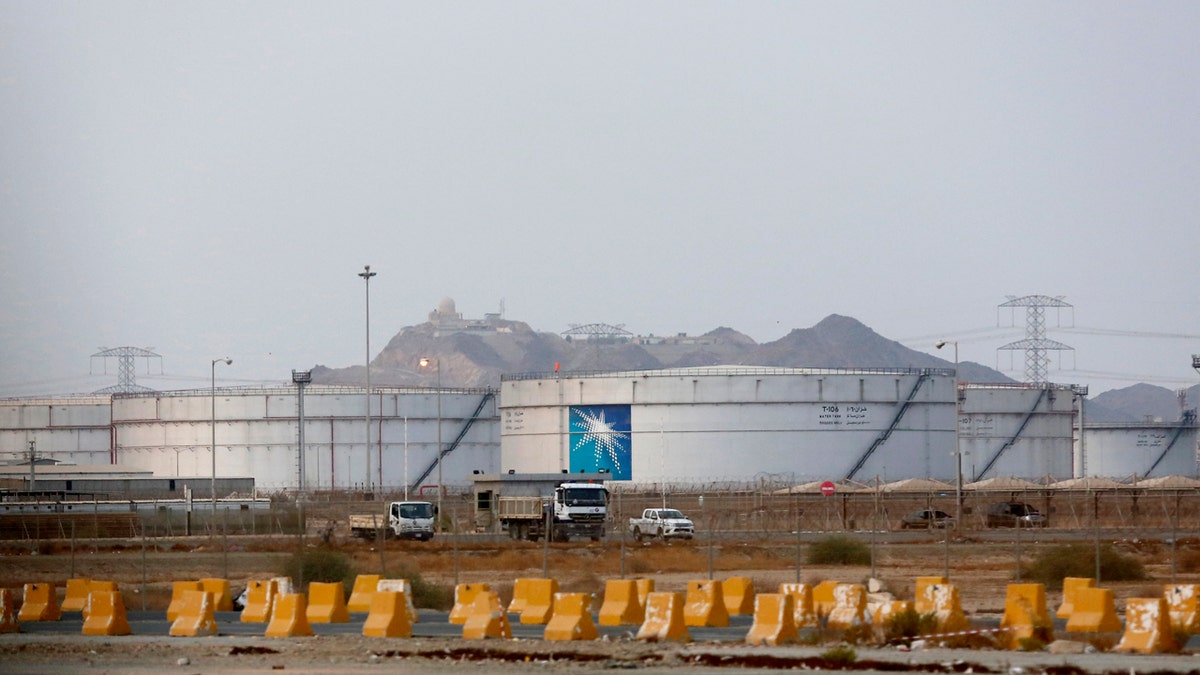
{"type": "Point", "coordinates": [732, 423]}
{"type": "Point", "coordinates": [66, 429]}
{"type": "Point", "coordinates": [1144, 450]}
{"type": "Point", "coordinates": [257, 434]}
{"type": "Point", "coordinates": [1017, 430]}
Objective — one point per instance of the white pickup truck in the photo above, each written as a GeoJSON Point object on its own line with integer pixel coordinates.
{"type": "Point", "coordinates": [663, 524]}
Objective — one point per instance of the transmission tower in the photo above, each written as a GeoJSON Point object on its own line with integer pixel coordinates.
{"type": "Point", "coordinates": [125, 371]}
{"type": "Point", "coordinates": [1036, 344]}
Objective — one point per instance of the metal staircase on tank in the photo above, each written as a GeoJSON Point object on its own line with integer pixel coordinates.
{"type": "Point", "coordinates": [891, 427]}
{"type": "Point", "coordinates": [1013, 439]}
{"type": "Point", "coordinates": [453, 444]}
{"type": "Point", "coordinates": [1188, 419]}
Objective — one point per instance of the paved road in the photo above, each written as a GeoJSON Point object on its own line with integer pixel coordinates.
{"type": "Point", "coordinates": [342, 649]}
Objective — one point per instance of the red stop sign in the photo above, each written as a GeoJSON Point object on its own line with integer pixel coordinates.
{"type": "Point", "coordinates": [828, 488]}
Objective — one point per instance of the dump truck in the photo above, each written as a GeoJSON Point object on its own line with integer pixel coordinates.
{"type": "Point", "coordinates": [404, 520]}
{"type": "Point", "coordinates": [535, 506]}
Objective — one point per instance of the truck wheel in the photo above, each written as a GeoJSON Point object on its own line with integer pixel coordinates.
{"type": "Point", "coordinates": [637, 534]}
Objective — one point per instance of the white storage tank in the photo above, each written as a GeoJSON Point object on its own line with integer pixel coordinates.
{"type": "Point", "coordinates": [171, 433]}
{"type": "Point", "coordinates": [732, 423]}
{"type": "Point", "coordinates": [1017, 430]}
{"type": "Point", "coordinates": [66, 429]}
{"type": "Point", "coordinates": [1144, 450]}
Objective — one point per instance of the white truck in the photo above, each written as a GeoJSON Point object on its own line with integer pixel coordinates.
{"type": "Point", "coordinates": [534, 506]}
{"type": "Point", "coordinates": [404, 520]}
{"type": "Point", "coordinates": [662, 524]}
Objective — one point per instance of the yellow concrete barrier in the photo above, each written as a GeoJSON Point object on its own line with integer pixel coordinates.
{"type": "Point", "coordinates": [402, 586]}
{"type": "Point", "coordinates": [1025, 615]}
{"type": "Point", "coordinates": [849, 607]}
{"type": "Point", "coordinates": [364, 589]}
{"type": "Point", "coordinates": [1147, 627]}
{"type": "Point", "coordinates": [195, 617]}
{"type": "Point", "coordinates": [519, 595]}
{"type": "Point", "coordinates": [326, 603]}
{"type": "Point", "coordinates": [884, 611]}
{"type": "Point", "coordinates": [621, 604]}
{"type": "Point", "coordinates": [40, 603]}
{"type": "Point", "coordinates": [388, 615]}
{"type": "Point", "coordinates": [106, 614]}
{"type": "Point", "coordinates": [260, 598]}
{"type": "Point", "coordinates": [178, 588]}
{"type": "Point", "coordinates": [572, 619]}
{"type": "Point", "coordinates": [487, 618]}
{"type": "Point", "coordinates": [803, 614]}
{"type": "Point", "coordinates": [1093, 611]}
{"type": "Point", "coordinates": [77, 595]}
{"type": "Point", "coordinates": [94, 587]}
{"type": "Point", "coordinates": [8, 611]}
{"type": "Point", "coordinates": [664, 619]}
{"type": "Point", "coordinates": [922, 600]}
{"type": "Point", "coordinates": [822, 595]}
{"type": "Point", "coordinates": [539, 601]}
{"type": "Point", "coordinates": [464, 600]}
{"type": "Point", "coordinates": [774, 620]}
{"type": "Point", "coordinates": [944, 603]}
{"type": "Point", "coordinates": [644, 588]}
{"type": "Point", "coordinates": [704, 605]}
{"type": "Point", "coordinates": [290, 617]}
{"type": "Point", "coordinates": [1183, 604]}
{"type": "Point", "coordinates": [1070, 586]}
{"type": "Point", "coordinates": [222, 596]}
{"type": "Point", "coordinates": [738, 593]}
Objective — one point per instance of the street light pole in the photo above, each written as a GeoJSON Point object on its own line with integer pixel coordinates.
{"type": "Point", "coordinates": [229, 362]}
{"type": "Point", "coordinates": [437, 366]}
{"type": "Point", "coordinates": [957, 448]}
{"type": "Point", "coordinates": [366, 274]}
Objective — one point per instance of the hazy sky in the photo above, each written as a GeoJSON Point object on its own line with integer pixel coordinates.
{"type": "Point", "coordinates": [208, 178]}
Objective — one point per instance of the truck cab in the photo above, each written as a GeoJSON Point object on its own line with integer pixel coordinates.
{"type": "Point", "coordinates": [412, 520]}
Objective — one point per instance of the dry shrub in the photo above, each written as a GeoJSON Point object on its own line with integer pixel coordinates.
{"type": "Point", "coordinates": [1079, 560]}
{"type": "Point", "coordinates": [839, 550]}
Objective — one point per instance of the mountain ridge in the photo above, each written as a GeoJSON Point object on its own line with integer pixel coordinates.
{"type": "Point", "coordinates": [475, 354]}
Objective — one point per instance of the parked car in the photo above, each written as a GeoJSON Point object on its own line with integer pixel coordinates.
{"type": "Point", "coordinates": [1014, 514]}
{"type": "Point", "coordinates": [927, 519]}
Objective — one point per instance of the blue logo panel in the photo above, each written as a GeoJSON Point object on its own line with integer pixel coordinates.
{"type": "Point", "coordinates": [601, 438]}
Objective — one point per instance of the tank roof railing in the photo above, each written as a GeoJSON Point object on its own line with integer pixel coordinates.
{"type": "Point", "coordinates": [309, 390]}
{"type": "Point", "coordinates": [723, 370]}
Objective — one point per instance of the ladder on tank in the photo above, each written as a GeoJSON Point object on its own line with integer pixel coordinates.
{"type": "Point", "coordinates": [1013, 439]}
{"type": "Point", "coordinates": [892, 427]}
{"type": "Point", "coordinates": [1188, 420]}
{"type": "Point", "coordinates": [453, 444]}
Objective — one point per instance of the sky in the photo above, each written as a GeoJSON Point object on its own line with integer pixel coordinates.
{"type": "Point", "coordinates": [209, 179]}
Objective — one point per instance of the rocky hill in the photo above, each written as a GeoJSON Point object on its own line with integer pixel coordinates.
{"type": "Point", "coordinates": [477, 355]}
